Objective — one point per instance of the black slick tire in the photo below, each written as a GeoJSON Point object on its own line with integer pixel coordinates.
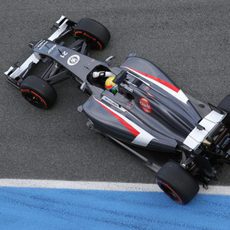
{"type": "Point", "coordinates": [177, 183]}
{"type": "Point", "coordinates": [95, 34]}
{"type": "Point", "coordinates": [38, 92]}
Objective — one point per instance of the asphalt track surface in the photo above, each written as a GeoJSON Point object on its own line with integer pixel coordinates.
{"type": "Point", "coordinates": [189, 40]}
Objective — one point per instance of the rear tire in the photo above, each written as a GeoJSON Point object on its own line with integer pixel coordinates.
{"type": "Point", "coordinates": [225, 105]}
{"type": "Point", "coordinates": [177, 183]}
{"type": "Point", "coordinates": [95, 34]}
{"type": "Point", "coordinates": [38, 92]}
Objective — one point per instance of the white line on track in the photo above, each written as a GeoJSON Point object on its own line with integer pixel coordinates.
{"type": "Point", "coordinates": [107, 186]}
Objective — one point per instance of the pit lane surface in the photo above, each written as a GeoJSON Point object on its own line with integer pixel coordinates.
{"type": "Point", "coordinates": [189, 40]}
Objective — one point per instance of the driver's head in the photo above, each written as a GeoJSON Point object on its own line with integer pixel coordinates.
{"type": "Point", "coordinates": [110, 85]}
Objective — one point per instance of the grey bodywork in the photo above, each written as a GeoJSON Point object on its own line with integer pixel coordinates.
{"type": "Point", "coordinates": [171, 120]}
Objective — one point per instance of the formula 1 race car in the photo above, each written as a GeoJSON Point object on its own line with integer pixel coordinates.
{"type": "Point", "coordinates": [136, 105]}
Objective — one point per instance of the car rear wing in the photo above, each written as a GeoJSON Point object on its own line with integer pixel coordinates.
{"type": "Point", "coordinates": [61, 26]}
{"type": "Point", "coordinates": [204, 129]}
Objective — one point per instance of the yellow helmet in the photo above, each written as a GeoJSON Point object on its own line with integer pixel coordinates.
{"type": "Point", "coordinates": [109, 84]}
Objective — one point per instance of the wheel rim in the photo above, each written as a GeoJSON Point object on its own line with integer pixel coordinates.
{"type": "Point", "coordinates": [34, 98]}
{"type": "Point", "coordinates": [170, 191]}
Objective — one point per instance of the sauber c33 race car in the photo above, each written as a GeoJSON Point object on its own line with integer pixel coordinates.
{"type": "Point", "coordinates": [136, 105]}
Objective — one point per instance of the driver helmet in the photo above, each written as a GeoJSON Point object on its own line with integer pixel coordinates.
{"type": "Point", "coordinates": [110, 85]}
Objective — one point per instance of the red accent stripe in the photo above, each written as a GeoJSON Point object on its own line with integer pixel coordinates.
{"type": "Point", "coordinates": [100, 45]}
{"type": "Point", "coordinates": [122, 121]}
{"type": "Point", "coordinates": [177, 197]}
{"type": "Point", "coordinates": [89, 36]}
{"type": "Point", "coordinates": [36, 95]}
{"type": "Point", "coordinates": [163, 82]}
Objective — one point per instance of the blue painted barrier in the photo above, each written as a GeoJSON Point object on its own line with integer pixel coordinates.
{"type": "Point", "coordinates": [36, 209]}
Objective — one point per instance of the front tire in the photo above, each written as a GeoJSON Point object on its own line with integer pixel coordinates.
{"type": "Point", "coordinates": [177, 183]}
{"type": "Point", "coordinates": [38, 92]}
{"type": "Point", "coordinates": [95, 34]}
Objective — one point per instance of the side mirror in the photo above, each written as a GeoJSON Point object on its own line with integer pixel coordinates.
{"type": "Point", "coordinates": [109, 59]}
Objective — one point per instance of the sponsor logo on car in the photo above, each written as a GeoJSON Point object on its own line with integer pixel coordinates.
{"type": "Point", "coordinates": [73, 60]}
{"type": "Point", "coordinates": [63, 54]}
{"type": "Point", "coordinates": [145, 105]}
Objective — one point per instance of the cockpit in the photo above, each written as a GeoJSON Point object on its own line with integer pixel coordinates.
{"type": "Point", "coordinates": [106, 79]}
{"type": "Point", "coordinates": [114, 81]}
